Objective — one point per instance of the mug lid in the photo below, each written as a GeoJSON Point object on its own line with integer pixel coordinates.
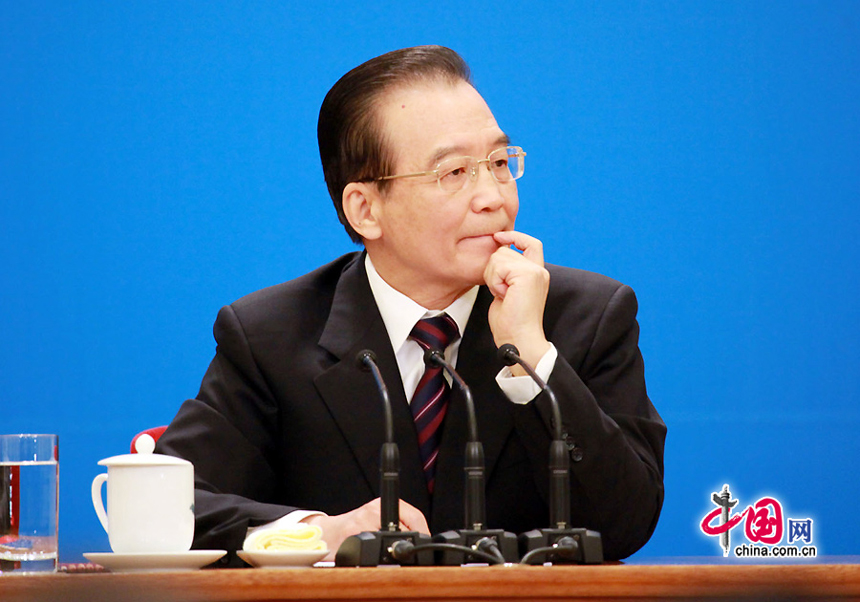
{"type": "Point", "coordinates": [144, 446]}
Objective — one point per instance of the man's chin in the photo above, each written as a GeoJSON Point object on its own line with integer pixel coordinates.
{"type": "Point", "coordinates": [471, 268]}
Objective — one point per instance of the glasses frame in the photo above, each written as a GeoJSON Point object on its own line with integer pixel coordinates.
{"type": "Point", "coordinates": [473, 173]}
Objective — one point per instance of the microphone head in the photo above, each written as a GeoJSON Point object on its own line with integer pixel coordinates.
{"type": "Point", "coordinates": [432, 357]}
{"type": "Point", "coordinates": [364, 358]}
{"type": "Point", "coordinates": [508, 354]}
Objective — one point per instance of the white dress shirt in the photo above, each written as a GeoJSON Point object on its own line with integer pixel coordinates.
{"type": "Point", "coordinates": [400, 313]}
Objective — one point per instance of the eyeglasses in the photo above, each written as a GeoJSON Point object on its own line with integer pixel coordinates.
{"type": "Point", "coordinates": [506, 164]}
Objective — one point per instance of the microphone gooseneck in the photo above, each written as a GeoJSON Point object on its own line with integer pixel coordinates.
{"type": "Point", "coordinates": [560, 543]}
{"type": "Point", "coordinates": [473, 462]}
{"type": "Point", "coordinates": [433, 357]}
{"type": "Point", "coordinates": [510, 355]}
{"type": "Point", "coordinates": [372, 548]}
{"type": "Point", "coordinates": [366, 360]}
{"type": "Point", "coordinates": [472, 543]}
{"type": "Point", "coordinates": [559, 460]}
{"type": "Point", "coordinates": [389, 454]}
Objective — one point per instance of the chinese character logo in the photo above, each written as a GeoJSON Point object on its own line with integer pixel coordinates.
{"type": "Point", "coordinates": [763, 524]}
{"type": "Point", "coordinates": [800, 529]}
{"type": "Point", "coordinates": [724, 509]}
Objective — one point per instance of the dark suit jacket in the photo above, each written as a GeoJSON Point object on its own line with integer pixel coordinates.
{"type": "Point", "coordinates": [285, 420]}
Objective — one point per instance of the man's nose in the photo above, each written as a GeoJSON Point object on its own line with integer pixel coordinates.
{"type": "Point", "coordinates": [486, 191]}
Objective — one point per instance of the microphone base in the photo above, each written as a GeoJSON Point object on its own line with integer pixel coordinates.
{"type": "Point", "coordinates": [506, 541]}
{"type": "Point", "coordinates": [371, 548]}
{"type": "Point", "coordinates": [589, 549]}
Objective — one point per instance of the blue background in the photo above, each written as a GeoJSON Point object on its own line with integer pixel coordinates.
{"type": "Point", "coordinates": [158, 160]}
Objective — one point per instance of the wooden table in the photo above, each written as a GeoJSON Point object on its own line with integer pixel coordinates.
{"type": "Point", "coordinates": [821, 581]}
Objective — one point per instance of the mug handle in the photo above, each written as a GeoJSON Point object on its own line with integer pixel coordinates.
{"type": "Point", "coordinates": [98, 503]}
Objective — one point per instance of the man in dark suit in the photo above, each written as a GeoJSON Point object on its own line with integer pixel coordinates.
{"type": "Point", "coordinates": [287, 428]}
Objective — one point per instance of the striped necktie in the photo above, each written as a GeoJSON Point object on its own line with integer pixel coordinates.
{"type": "Point", "coordinates": [430, 400]}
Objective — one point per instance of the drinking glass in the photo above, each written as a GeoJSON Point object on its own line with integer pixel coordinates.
{"type": "Point", "coordinates": [29, 503]}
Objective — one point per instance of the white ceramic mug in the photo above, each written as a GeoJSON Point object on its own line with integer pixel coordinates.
{"type": "Point", "coordinates": [150, 503]}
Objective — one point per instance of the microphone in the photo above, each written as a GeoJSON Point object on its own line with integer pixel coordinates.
{"type": "Point", "coordinates": [372, 548]}
{"type": "Point", "coordinates": [559, 544]}
{"type": "Point", "coordinates": [473, 541]}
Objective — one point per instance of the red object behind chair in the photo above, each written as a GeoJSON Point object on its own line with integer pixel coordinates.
{"type": "Point", "coordinates": [154, 432]}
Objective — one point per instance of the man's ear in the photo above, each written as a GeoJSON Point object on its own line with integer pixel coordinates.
{"type": "Point", "coordinates": [358, 201]}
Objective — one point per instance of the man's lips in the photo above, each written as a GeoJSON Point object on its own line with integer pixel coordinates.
{"type": "Point", "coordinates": [480, 236]}
{"type": "Point", "coordinates": [482, 240]}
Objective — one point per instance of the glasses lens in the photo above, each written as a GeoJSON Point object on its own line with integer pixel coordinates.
{"type": "Point", "coordinates": [507, 163]}
{"type": "Point", "coordinates": [454, 173]}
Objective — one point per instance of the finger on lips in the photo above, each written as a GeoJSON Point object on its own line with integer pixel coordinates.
{"type": "Point", "coordinates": [529, 245]}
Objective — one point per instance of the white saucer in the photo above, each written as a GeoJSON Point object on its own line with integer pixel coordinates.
{"type": "Point", "coordinates": [282, 559]}
{"type": "Point", "coordinates": [166, 561]}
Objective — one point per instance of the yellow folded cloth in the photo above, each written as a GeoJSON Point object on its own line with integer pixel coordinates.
{"type": "Point", "coordinates": [284, 539]}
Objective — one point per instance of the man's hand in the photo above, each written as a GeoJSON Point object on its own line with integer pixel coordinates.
{"type": "Point", "coordinates": [364, 518]}
{"type": "Point", "coordinates": [519, 283]}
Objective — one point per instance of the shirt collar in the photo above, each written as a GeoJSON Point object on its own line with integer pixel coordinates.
{"type": "Point", "coordinates": [400, 313]}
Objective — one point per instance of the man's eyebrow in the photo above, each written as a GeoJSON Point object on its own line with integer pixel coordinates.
{"type": "Point", "coordinates": [441, 153]}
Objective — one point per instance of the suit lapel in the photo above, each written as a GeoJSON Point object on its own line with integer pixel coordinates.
{"type": "Point", "coordinates": [351, 394]}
